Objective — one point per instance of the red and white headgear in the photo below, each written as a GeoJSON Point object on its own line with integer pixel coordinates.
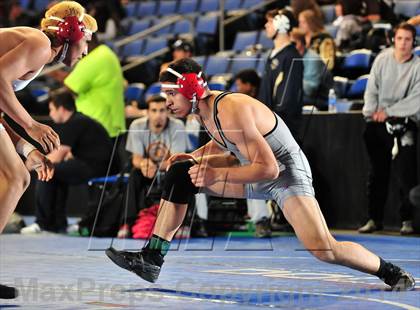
{"type": "Point", "coordinates": [69, 29]}
{"type": "Point", "coordinates": [191, 85]}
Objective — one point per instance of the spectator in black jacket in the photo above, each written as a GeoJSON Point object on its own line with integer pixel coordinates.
{"type": "Point", "coordinates": [281, 86]}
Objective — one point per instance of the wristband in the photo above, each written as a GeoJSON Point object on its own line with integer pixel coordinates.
{"type": "Point", "coordinates": [23, 147]}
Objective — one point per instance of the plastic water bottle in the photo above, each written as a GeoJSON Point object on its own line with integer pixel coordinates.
{"type": "Point", "coordinates": [332, 101]}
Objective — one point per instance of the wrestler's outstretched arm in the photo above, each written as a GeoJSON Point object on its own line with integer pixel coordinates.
{"type": "Point", "coordinates": [28, 56]}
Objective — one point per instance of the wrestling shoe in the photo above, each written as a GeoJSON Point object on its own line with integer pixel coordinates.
{"type": "Point", "coordinates": [8, 292]}
{"type": "Point", "coordinates": [398, 279]}
{"type": "Point", "coordinates": [146, 264]}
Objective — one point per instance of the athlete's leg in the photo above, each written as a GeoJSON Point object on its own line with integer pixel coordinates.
{"type": "Point", "coordinates": [14, 178]}
{"type": "Point", "coordinates": [171, 215]}
{"type": "Point", "coordinates": [177, 192]}
{"type": "Point", "coordinates": [304, 214]}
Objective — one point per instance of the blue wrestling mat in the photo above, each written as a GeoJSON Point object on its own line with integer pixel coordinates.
{"type": "Point", "coordinates": [60, 272]}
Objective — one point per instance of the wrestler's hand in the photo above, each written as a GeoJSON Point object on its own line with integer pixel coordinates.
{"type": "Point", "coordinates": [41, 164]}
{"type": "Point", "coordinates": [203, 175]}
{"type": "Point", "coordinates": [179, 157]}
{"type": "Point", "coordinates": [44, 135]}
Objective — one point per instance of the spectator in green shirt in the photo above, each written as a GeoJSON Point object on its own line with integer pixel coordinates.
{"type": "Point", "coordinates": [98, 82]}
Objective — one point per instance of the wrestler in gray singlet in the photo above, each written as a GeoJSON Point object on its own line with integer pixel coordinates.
{"type": "Point", "coordinates": [295, 178]}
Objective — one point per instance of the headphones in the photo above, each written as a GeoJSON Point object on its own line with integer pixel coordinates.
{"type": "Point", "coordinates": [281, 23]}
{"type": "Point", "coordinates": [69, 30]}
{"type": "Point", "coordinates": [191, 85]}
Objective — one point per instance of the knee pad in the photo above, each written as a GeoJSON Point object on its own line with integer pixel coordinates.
{"type": "Point", "coordinates": [177, 187]}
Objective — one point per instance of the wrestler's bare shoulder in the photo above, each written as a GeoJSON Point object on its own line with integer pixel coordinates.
{"type": "Point", "coordinates": [11, 37]}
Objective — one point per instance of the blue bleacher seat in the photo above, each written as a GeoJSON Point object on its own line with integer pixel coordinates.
{"type": "Point", "coordinates": [250, 3]}
{"type": "Point", "coordinates": [108, 179]}
{"type": "Point", "coordinates": [266, 42]}
{"type": "Point", "coordinates": [131, 9]}
{"type": "Point", "coordinates": [167, 7]}
{"type": "Point", "coordinates": [357, 89]}
{"type": "Point", "coordinates": [407, 7]}
{"type": "Point", "coordinates": [201, 60]}
{"type": "Point", "coordinates": [24, 4]}
{"type": "Point", "coordinates": [329, 13]}
{"type": "Point", "coordinates": [245, 39]}
{"type": "Point", "coordinates": [233, 5]}
{"type": "Point", "coordinates": [209, 6]}
{"type": "Point", "coordinates": [332, 30]}
{"type": "Point", "coordinates": [358, 59]}
{"type": "Point", "coordinates": [217, 65]}
{"type": "Point", "coordinates": [132, 49]}
{"type": "Point", "coordinates": [164, 30]}
{"type": "Point", "coordinates": [139, 25]}
{"type": "Point", "coordinates": [154, 44]}
{"type": "Point", "coordinates": [153, 89]}
{"type": "Point", "coordinates": [217, 86]}
{"type": "Point", "coordinates": [41, 5]}
{"type": "Point", "coordinates": [147, 8]}
{"type": "Point", "coordinates": [183, 26]}
{"type": "Point", "coordinates": [242, 62]}
{"type": "Point", "coordinates": [207, 24]}
{"type": "Point", "coordinates": [188, 6]}
{"type": "Point", "coordinates": [417, 51]}
{"type": "Point", "coordinates": [134, 92]}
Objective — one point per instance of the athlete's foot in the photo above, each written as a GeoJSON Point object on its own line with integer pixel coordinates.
{"type": "Point", "coordinates": [8, 292]}
{"type": "Point", "coordinates": [399, 280]}
{"type": "Point", "coordinates": [146, 264]}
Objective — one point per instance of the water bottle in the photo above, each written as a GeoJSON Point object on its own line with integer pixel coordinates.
{"type": "Point", "coordinates": [332, 101]}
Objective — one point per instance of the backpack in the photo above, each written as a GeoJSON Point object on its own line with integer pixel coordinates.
{"type": "Point", "coordinates": [104, 211]}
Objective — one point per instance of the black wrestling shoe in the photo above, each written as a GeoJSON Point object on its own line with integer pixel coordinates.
{"type": "Point", "coordinates": [141, 263]}
{"type": "Point", "coordinates": [399, 280]}
{"type": "Point", "coordinates": [8, 292]}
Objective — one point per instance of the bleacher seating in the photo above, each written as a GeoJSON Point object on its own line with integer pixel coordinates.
{"type": "Point", "coordinates": [167, 7]}
{"type": "Point", "coordinates": [208, 6]}
{"type": "Point", "coordinates": [134, 92]}
{"type": "Point", "coordinates": [357, 89]}
{"type": "Point", "coordinates": [217, 65]}
{"type": "Point", "coordinates": [242, 62]}
{"type": "Point", "coordinates": [244, 40]}
{"type": "Point", "coordinates": [407, 8]}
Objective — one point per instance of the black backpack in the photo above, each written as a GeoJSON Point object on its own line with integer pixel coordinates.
{"type": "Point", "coordinates": [104, 210]}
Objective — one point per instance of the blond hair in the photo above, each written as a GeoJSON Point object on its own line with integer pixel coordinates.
{"type": "Point", "coordinates": [65, 9]}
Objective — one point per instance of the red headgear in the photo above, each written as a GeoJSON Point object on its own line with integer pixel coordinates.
{"type": "Point", "coordinates": [191, 85]}
{"type": "Point", "coordinates": [70, 29]}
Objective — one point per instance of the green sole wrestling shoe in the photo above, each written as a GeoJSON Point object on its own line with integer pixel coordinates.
{"type": "Point", "coordinates": [7, 292]}
{"type": "Point", "coordinates": [405, 282]}
{"type": "Point", "coordinates": [134, 262]}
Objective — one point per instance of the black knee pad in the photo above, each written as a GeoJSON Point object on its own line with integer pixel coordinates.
{"type": "Point", "coordinates": [178, 187]}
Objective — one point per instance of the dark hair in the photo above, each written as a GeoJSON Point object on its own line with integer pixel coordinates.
{"type": "Point", "coordinates": [406, 26]}
{"type": "Point", "coordinates": [185, 65]}
{"type": "Point", "coordinates": [287, 13]}
{"type": "Point", "coordinates": [249, 76]}
{"type": "Point", "coordinates": [154, 98]}
{"type": "Point", "coordinates": [63, 98]}
{"type": "Point", "coordinates": [298, 35]}
{"type": "Point", "coordinates": [350, 7]}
